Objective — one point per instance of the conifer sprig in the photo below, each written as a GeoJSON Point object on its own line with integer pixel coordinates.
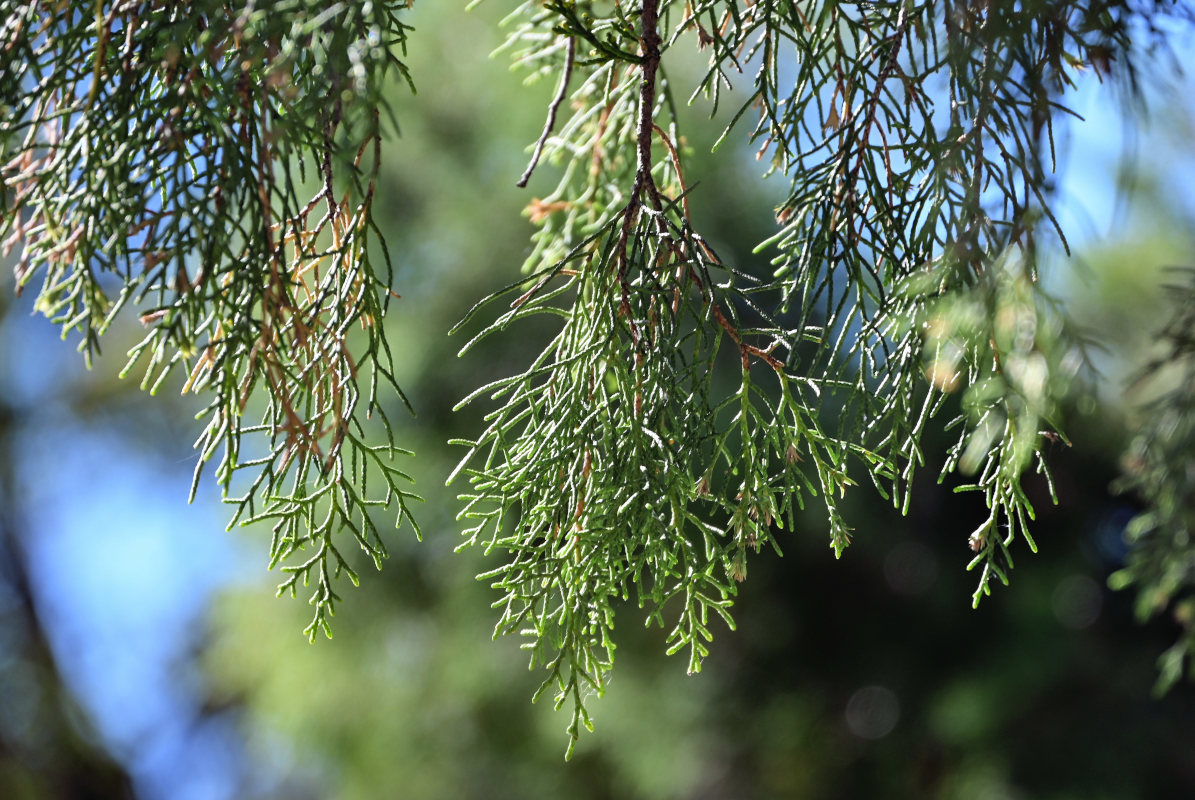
{"type": "Point", "coordinates": [213, 164]}
{"type": "Point", "coordinates": [688, 406]}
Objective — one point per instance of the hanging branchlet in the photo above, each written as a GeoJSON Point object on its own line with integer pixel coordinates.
{"type": "Point", "coordinates": [660, 437]}
{"type": "Point", "coordinates": [686, 408]}
{"type": "Point", "coordinates": [918, 140]}
{"type": "Point", "coordinates": [213, 165]}
{"type": "Point", "coordinates": [1160, 468]}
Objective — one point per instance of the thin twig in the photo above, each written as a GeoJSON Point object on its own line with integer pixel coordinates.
{"type": "Point", "coordinates": [680, 175]}
{"type": "Point", "coordinates": [552, 110]}
{"type": "Point", "coordinates": [647, 100]}
{"type": "Point", "coordinates": [650, 44]}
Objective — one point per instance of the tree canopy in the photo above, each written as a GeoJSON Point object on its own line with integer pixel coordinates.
{"type": "Point", "coordinates": [213, 165]}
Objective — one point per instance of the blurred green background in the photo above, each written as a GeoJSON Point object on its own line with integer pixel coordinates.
{"type": "Point", "coordinates": [142, 651]}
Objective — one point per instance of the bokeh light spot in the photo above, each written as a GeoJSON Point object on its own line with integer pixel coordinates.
{"type": "Point", "coordinates": [1077, 602]}
{"type": "Point", "coordinates": [872, 712]}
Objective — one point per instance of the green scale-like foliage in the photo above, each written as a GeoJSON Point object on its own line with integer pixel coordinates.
{"type": "Point", "coordinates": [687, 407]}
{"type": "Point", "coordinates": [213, 164]}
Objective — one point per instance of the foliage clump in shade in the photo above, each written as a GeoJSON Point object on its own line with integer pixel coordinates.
{"type": "Point", "coordinates": [1160, 468]}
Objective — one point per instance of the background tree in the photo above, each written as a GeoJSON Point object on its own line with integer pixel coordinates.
{"type": "Point", "coordinates": [687, 406]}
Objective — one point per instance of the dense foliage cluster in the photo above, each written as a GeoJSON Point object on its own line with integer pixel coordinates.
{"type": "Point", "coordinates": [215, 162]}
{"type": "Point", "coordinates": [689, 406]}
{"type": "Point", "coordinates": [214, 165]}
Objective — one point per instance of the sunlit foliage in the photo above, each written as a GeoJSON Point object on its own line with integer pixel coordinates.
{"type": "Point", "coordinates": [214, 164]}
